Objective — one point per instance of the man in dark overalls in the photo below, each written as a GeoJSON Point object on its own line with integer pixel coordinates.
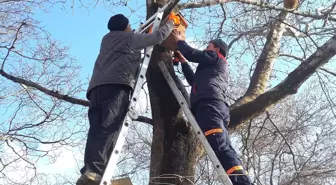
{"type": "Point", "coordinates": [208, 101]}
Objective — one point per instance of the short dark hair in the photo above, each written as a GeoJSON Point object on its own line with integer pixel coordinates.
{"type": "Point", "coordinates": [223, 47]}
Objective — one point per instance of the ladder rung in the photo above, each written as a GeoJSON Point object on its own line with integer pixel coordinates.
{"type": "Point", "coordinates": [146, 28]}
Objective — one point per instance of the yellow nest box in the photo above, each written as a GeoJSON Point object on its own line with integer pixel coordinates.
{"type": "Point", "coordinates": [169, 42]}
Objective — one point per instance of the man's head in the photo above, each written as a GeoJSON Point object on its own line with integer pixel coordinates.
{"type": "Point", "coordinates": [119, 23]}
{"type": "Point", "coordinates": [219, 46]}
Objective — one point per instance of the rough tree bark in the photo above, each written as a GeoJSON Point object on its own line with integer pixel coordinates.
{"type": "Point", "coordinates": [174, 147]}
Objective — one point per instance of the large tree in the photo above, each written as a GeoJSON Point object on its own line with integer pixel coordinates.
{"type": "Point", "coordinates": [260, 34]}
{"type": "Point", "coordinates": [172, 139]}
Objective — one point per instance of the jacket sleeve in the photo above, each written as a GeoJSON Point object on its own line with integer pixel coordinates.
{"type": "Point", "coordinates": [188, 73]}
{"type": "Point", "coordinates": [141, 41]}
{"type": "Point", "coordinates": [197, 56]}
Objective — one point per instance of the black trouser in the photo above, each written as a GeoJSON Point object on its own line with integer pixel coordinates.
{"type": "Point", "coordinates": [108, 108]}
{"type": "Point", "coordinates": [213, 117]}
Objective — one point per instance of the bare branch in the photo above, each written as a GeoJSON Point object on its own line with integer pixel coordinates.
{"type": "Point", "coordinates": [261, 4]}
{"type": "Point", "coordinates": [330, 72]}
{"type": "Point", "coordinates": [58, 95]}
{"type": "Point", "coordinates": [287, 87]}
{"type": "Point", "coordinates": [291, 56]}
{"type": "Point", "coordinates": [326, 93]}
{"type": "Point", "coordinates": [284, 138]}
{"type": "Point", "coordinates": [12, 45]}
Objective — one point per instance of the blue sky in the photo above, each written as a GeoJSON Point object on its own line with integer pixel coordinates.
{"type": "Point", "coordinates": [82, 29]}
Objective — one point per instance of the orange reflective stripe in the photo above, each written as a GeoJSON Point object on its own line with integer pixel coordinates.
{"type": "Point", "coordinates": [212, 131]}
{"type": "Point", "coordinates": [233, 169]}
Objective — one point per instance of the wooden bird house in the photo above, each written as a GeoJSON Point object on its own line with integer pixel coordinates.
{"type": "Point", "coordinates": [169, 43]}
{"type": "Point", "coordinates": [291, 4]}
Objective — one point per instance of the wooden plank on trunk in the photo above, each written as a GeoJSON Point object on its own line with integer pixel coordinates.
{"type": "Point", "coordinates": [122, 181]}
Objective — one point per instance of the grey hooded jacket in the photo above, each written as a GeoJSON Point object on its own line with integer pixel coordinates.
{"type": "Point", "coordinates": [119, 57]}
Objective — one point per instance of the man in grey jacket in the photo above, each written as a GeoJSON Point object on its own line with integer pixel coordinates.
{"type": "Point", "coordinates": [110, 88]}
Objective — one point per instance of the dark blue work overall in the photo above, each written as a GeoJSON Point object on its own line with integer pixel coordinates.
{"type": "Point", "coordinates": [208, 104]}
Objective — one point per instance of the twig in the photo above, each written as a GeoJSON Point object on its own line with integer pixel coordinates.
{"type": "Point", "coordinates": [327, 71]}
{"type": "Point", "coordinates": [12, 45]}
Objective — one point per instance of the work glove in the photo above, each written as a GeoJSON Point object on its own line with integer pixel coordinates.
{"type": "Point", "coordinates": [176, 60]}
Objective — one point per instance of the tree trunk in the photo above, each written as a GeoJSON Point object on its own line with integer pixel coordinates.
{"type": "Point", "coordinates": [174, 145]}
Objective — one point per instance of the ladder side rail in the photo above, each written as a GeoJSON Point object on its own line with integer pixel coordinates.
{"type": "Point", "coordinates": [179, 97]}
{"type": "Point", "coordinates": [143, 70]}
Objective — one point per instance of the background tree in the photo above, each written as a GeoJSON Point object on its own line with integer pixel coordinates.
{"type": "Point", "coordinates": [272, 53]}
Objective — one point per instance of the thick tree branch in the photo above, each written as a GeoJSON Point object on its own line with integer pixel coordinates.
{"type": "Point", "coordinates": [59, 95]}
{"type": "Point", "coordinates": [287, 87]}
{"type": "Point", "coordinates": [320, 15]}
{"type": "Point", "coordinates": [265, 62]}
{"type": "Point", "coordinates": [52, 93]}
